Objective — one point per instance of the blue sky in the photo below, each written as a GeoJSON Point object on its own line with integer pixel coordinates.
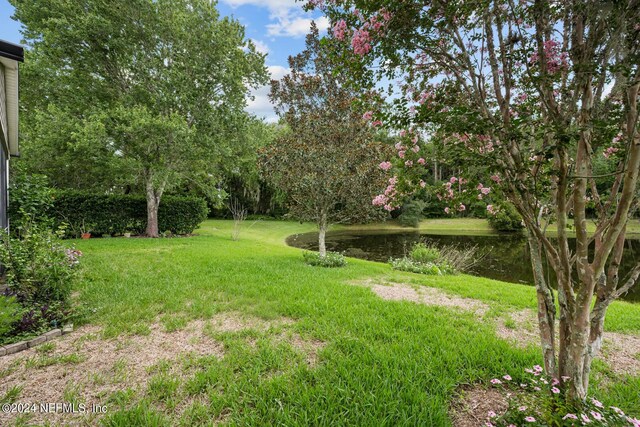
{"type": "Point", "coordinates": [277, 27]}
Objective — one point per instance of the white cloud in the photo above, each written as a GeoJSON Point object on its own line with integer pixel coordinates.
{"type": "Point", "coordinates": [296, 27]}
{"type": "Point", "coordinates": [288, 19]}
{"type": "Point", "coordinates": [260, 106]}
{"type": "Point", "coordinates": [261, 46]}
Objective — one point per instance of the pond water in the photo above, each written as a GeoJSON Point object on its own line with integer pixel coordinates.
{"type": "Point", "coordinates": [506, 255]}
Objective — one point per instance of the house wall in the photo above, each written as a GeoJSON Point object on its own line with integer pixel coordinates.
{"type": "Point", "coordinates": [4, 157]}
{"type": "Point", "coordinates": [3, 109]}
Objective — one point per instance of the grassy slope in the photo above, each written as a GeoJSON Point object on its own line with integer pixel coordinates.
{"type": "Point", "coordinates": [393, 363]}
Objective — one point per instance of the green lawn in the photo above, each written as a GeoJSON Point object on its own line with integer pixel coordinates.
{"type": "Point", "coordinates": [380, 362]}
{"type": "Point", "coordinates": [473, 226]}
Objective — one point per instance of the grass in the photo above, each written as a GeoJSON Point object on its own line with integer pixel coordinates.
{"type": "Point", "coordinates": [382, 362]}
{"type": "Point", "coordinates": [467, 226]}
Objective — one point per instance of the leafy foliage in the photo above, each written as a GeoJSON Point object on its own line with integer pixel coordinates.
{"type": "Point", "coordinates": [506, 218]}
{"type": "Point", "coordinates": [331, 259]}
{"type": "Point", "coordinates": [411, 213]}
{"type": "Point", "coordinates": [116, 214]}
{"type": "Point", "coordinates": [154, 98]}
{"type": "Point", "coordinates": [327, 162]}
{"type": "Point", "coordinates": [39, 273]}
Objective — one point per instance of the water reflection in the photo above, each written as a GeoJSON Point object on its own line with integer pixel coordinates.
{"type": "Point", "coordinates": [506, 258]}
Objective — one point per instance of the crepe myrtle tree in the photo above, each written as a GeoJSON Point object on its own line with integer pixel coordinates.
{"type": "Point", "coordinates": [535, 91]}
{"type": "Point", "coordinates": [327, 161]}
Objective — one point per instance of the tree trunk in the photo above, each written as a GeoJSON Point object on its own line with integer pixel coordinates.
{"type": "Point", "coordinates": [153, 203]}
{"type": "Point", "coordinates": [546, 308]}
{"type": "Point", "coordinates": [322, 228]}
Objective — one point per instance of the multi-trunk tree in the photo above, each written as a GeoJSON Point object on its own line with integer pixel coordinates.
{"type": "Point", "coordinates": [168, 79]}
{"type": "Point", "coordinates": [327, 162]}
{"type": "Point", "coordinates": [537, 92]}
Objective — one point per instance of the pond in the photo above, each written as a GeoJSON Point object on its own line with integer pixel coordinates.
{"type": "Point", "coordinates": [506, 256]}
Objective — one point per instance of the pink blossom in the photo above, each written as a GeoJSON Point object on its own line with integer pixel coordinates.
{"type": "Point", "coordinates": [596, 415]}
{"type": "Point", "coordinates": [522, 408]}
{"type": "Point", "coordinates": [385, 166]}
{"type": "Point", "coordinates": [462, 208]}
{"type": "Point", "coordinates": [339, 29]}
{"type": "Point", "coordinates": [530, 419]}
{"type": "Point", "coordinates": [421, 161]}
{"type": "Point", "coordinates": [555, 390]}
{"type": "Point", "coordinates": [388, 208]}
{"type": "Point", "coordinates": [617, 410]}
{"type": "Point", "coordinates": [415, 149]}
{"type": "Point", "coordinates": [423, 184]}
{"type": "Point", "coordinates": [401, 154]}
{"type": "Point", "coordinates": [361, 42]}
{"type": "Point", "coordinates": [507, 377]}
{"type": "Point", "coordinates": [538, 368]}
{"type": "Point", "coordinates": [496, 179]}
{"type": "Point", "coordinates": [492, 414]}
{"type": "Point", "coordinates": [379, 200]}
{"type": "Point", "coordinates": [585, 419]}
{"type": "Point", "coordinates": [376, 123]}
{"type": "Point", "coordinates": [399, 146]}
{"type": "Point", "coordinates": [570, 416]}
{"type": "Point", "coordinates": [408, 163]}
{"type": "Point", "coordinates": [453, 180]}
{"type": "Point", "coordinates": [368, 115]}
{"type": "Point", "coordinates": [446, 210]}
{"type": "Point", "coordinates": [597, 403]}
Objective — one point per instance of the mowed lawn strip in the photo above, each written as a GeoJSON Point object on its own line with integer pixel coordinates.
{"type": "Point", "coordinates": [380, 362]}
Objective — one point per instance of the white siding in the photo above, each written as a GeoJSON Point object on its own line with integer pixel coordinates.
{"type": "Point", "coordinates": [3, 110]}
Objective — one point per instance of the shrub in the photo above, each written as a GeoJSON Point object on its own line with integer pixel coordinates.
{"type": "Point", "coordinates": [411, 213]}
{"type": "Point", "coordinates": [10, 313]}
{"type": "Point", "coordinates": [506, 219]}
{"type": "Point", "coordinates": [423, 253]}
{"type": "Point", "coordinates": [332, 259]}
{"type": "Point", "coordinates": [30, 199]}
{"type": "Point", "coordinates": [428, 259]}
{"type": "Point", "coordinates": [412, 266]}
{"type": "Point", "coordinates": [39, 276]}
{"type": "Point", "coordinates": [115, 214]}
{"type": "Point", "coordinates": [541, 402]}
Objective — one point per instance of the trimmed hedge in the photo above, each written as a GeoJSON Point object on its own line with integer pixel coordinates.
{"type": "Point", "coordinates": [115, 214]}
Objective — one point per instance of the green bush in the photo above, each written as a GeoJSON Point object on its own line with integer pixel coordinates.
{"type": "Point", "coordinates": [411, 213]}
{"type": "Point", "coordinates": [507, 219]}
{"type": "Point", "coordinates": [30, 200]}
{"type": "Point", "coordinates": [410, 265]}
{"type": "Point", "coordinates": [114, 214]}
{"type": "Point", "coordinates": [423, 253]}
{"type": "Point", "coordinates": [39, 275]}
{"type": "Point", "coordinates": [10, 313]}
{"type": "Point", "coordinates": [332, 259]}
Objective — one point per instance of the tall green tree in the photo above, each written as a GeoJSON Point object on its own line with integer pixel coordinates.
{"type": "Point", "coordinates": [327, 163]}
{"type": "Point", "coordinates": [168, 79]}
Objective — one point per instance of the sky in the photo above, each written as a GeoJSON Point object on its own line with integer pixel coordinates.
{"type": "Point", "coordinates": [277, 27]}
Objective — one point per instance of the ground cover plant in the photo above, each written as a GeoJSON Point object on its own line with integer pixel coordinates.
{"type": "Point", "coordinates": [207, 329]}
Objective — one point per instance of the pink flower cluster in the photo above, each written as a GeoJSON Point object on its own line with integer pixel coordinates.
{"type": "Point", "coordinates": [611, 150]}
{"type": "Point", "coordinates": [386, 200]}
{"type": "Point", "coordinates": [556, 59]}
{"type": "Point", "coordinates": [483, 191]}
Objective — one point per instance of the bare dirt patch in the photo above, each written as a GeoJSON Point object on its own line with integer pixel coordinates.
{"type": "Point", "coordinates": [424, 295]}
{"type": "Point", "coordinates": [619, 351]}
{"type": "Point", "coordinates": [87, 368]}
{"type": "Point", "coordinates": [470, 408]}
{"type": "Point", "coordinates": [309, 347]}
